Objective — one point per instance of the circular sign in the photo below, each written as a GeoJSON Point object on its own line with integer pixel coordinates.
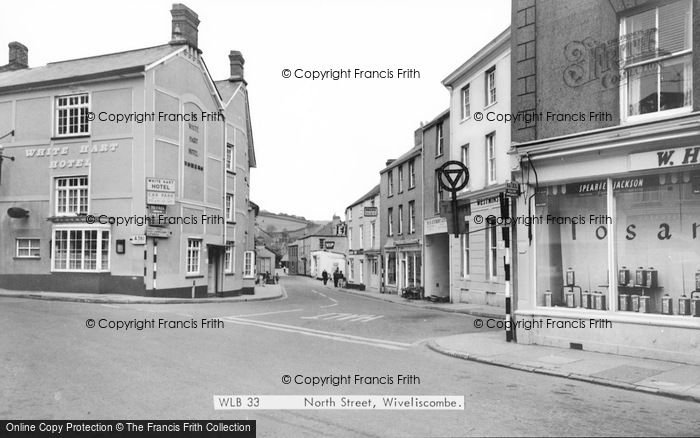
{"type": "Point", "coordinates": [453, 176]}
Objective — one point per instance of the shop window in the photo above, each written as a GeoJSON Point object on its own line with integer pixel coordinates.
{"type": "Point", "coordinates": [71, 195]}
{"type": "Point", "coordinates": [194, 250]}
{"type": "Point", "coordinates": [72, 115]}
{"type": "Point", "coordinates": [571, 231]}
{"type": "Point", "coordinates": [351, 265]}
{"type": "Point", "coordinates": [229, 157]}
{"type": "Point", "coordinates": [465, 102]}
{"type": "Point", "coordinates": [391, 268]}
{"type": "Point", "coordinates": [229, 258]}
{"type": "Point", "coordinates": [657, 222]}
{"type": "Point", "coordinates": [80, 250]}
{"type": "Point", "coordinates": [249, 264]}
{"type": "Point", "coordinates": [27, 248]}
{"type": "Point", "coordinates": [656, 58]}
{"type": "Point", "coordinates": [492, 249]}
{"type": "Point", "coordinates": [464, 240]}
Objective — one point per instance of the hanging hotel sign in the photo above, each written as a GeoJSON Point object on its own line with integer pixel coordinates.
{"type": "Point", "coordinates": [665, 158]}
{"type": "Point", "coordinates": [160, 185]}
{"type": "Point", "coordinates": [371, 211]}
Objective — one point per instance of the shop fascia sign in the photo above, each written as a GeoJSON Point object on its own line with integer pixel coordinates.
{"type": "Point", "coordinates": [371, 211]}
{"type": "Point", "coordinates": [665, 158]}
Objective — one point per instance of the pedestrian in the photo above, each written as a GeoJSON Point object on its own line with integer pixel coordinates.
{"type": "Point", "coordinates": [341, 279]}
{"type": "Point", "coordinates": [277, 278]}
{"type": "Point", "coordinates": [324, 276]}
{"type": "Point", "coordinates": [336, 277]}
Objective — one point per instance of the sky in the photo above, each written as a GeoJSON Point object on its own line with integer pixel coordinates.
{"type": "Point", "coordinates": [319, 144]}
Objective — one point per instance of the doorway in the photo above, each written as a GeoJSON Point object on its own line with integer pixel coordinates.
{"type": "Point", "coordinates": [215, 258]}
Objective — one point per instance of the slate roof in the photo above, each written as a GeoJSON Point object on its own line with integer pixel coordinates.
{"type": "Point", "coordinates": [84, 68]}
{"type": "Point", "coordinates": [372, 193]}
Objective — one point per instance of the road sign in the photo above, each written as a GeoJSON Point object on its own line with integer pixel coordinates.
{"type": "Point", "coordinates": [453, 176]}
{"type": "Point", "coordinates": [158, 232]}
{"type": "Point", "coordinates": [512, 189]}
{"type": "Point", "coordinates": [160, 198]}
{"type": "Point", "coordinates": [138, 239]}
{"type": "Point", "coordinates": [160, 185]}
{"type": "Point", "coordinates": [156, 209]}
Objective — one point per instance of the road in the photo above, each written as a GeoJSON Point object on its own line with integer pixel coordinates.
{"type": "Point", "coordinates": [54, 367]}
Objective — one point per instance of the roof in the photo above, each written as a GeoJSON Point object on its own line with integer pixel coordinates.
{"type": "Point", "coordinates": [483, 53]}
{"type": "Point", "coordinates": [440, 117]}
{"type": "Point", "coordinates": [227, 89]}
{"type": "Point", "coordinates": [85, 68]}
{"type": "Point", "coordinates": [403, 158]}
{"type": "Point", "coordinates": [369, 195]}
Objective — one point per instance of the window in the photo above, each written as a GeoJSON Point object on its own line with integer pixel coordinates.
{"type": "Point", "coordinates": [372, 234]}
{"type": "Point", "coordinates": [438, 192]}
{"type": "Point", "coordinates": [656, 57]}
{"type": "Point", "coordinates": [411, 174]}
{"type": "Point", "coordinates": [194, 251]}
{"type": "Point", "coordinates": [412, 217]}
{"type": "Point", "coordinates": [400, 227]}
{"type": "Point", "coordinates": [465, 252]}
{"type": "Point", "coordinates": [401, 178]}
{"type": "Point", "coordinates": [27, 248]}
{"type": "Point", "coordinates": [439, 141]}
{"type": "Point", "coordinates": [491, 158]}
{"type": "Point", "coordinates": [492, 249]}
{"type": "Point", "coordinates": [390, 183]}
{"type": "Point", "coordinates": [349, 237]}
{"type": "Point", "coordinates": [71, 195]}
{"type": "Point", "coordinates": [491, 86]}
{"type": "Point", "coordinates": [72, 115]}
{"type": "Point", "coordinates": [391, 268]}
{"type": "Point", "coordinates": [229, 258]}
{"type": "Point", "coordinates": [229, 207]}
{"type": "Point", "coordinates": [390, 221]}
{"type": "Point", "coordinates": [349, 214]}
{"type": "Point", "coordinates": [321, 242]}
{"type": "Point", "coordinates": [80, 250]}
{"type": "Point", "coordinates": [352, 269]}
{"type": "Point", "coordinates": [229, 157]}
{"type": "Point", "coordinates": [362, 237]}
{"type": "Point", "coordinates": [465, 102]}
{"type": "Point", "coordinates": [374, 266]}
{"type": "Point", "coordinates": [249, 264]}
{"type": "Point", "coordinates": [465, 159]}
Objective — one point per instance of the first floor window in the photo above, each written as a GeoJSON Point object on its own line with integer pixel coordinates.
{"type": "Point", "coordinates": [412, 217]}
{"type": "Point", "coordinates": [72, 195]}
{"type": "Point", "coordinates": [72, 115]}
{"type": "Point", "coordinates": [362, 237]}
{"type": "Point", "coordinates": [371, 234]}
{"type": "Point", "coordinates": [390, 221]}
{"type": "Point", "coordinates": [27, 248]}
{"type": "Point", "coordinates": [229, 258]}
{"type": "Point", "coordinates": [80, 250]}
{"type": "Point", "coordinates": [400, 226]}
{"type": "Point", "coordinates": [249, 264]}
{"type": "Point", "coordinates": [229, 207]}
{"type": "Point", "coordinates": [491, 158]}
{"type": "Point", "coordinates": [194, 253]}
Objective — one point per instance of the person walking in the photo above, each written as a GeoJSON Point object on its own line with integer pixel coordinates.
{"type": "Point", "coordinates": [336, 277]}
{"type": "Point", "coordinates": [324, 276]}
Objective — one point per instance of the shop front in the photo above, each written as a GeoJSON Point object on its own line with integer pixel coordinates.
{"type": "Point", "coordinates": [614, 261]}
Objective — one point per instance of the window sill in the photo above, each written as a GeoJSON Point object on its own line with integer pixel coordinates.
{"type": "Point", "coordinates": [231, 171]}
{"type": "Point", "coordinates": [70, 137]}
{"type": "Point", "coordinates": [194, 275]}
{"type": "Point", "coordinates": [491, 104]}
{"type": "Point", "coordinates": [229, 273]}
{"type": "Point", "coordinates": [26, 258]}
{"type": "Point", "coordinates": [439, 155]}
{"type": "Point", "coordinates": [658, 115]}
{"type": "Point", "coordinates": [469, 117]}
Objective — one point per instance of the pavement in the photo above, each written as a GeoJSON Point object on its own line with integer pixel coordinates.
{"type": "Point", "coordinates": [268, 292]}
{"type": "Point", "coordinates": [671, 379]}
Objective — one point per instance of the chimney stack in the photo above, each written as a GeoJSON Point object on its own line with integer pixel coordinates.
{"type": "Point", "coordinates": [185, 23]}
{"type": "Point", "coordinates": [19, 56]}
{"type": "Point", "coordinates": [389, 161]}
{"type": "Point", "coordinates": [236, 60]}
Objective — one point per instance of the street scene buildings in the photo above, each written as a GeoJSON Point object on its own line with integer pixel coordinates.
{"type": "Point", "coordinates": [544, 217]}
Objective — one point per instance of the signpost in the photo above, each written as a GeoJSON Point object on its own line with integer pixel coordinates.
{"type": "Point", "coordinates": [453, 176]}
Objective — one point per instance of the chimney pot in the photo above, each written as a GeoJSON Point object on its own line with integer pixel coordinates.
{"type": "Point", "coordinates": [19, 56]}
{"type": "Point", "coordinates": [184, 25]}
{"type": "Point", "coordinates": [236, 60]}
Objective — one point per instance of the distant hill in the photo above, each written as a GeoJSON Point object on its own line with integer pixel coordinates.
{"type": "Point", "coordinates": [277, 222]}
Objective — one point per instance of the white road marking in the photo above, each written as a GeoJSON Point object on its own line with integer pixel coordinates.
{"type": "Point", "coordinates": [266, 313]}
{"type": "Point", "coordinates": [352, 317]}
{"type": "Point", "coordinates": [109, 305]}
{"type": "Point", "coordinates": [335, 302]}
{"type": "Point", "coordinates": [342, 337]}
